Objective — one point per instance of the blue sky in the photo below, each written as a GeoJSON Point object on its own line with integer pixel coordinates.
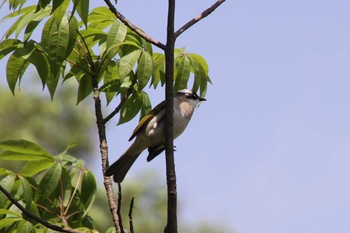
{"type": "Point", "coordinates": [269, 151]}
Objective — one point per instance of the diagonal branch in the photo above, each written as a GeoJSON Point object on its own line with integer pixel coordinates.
{"type": "Point", "coordinates": [133, 27]}
{"type": "Point", "coordinates": [35, 217]}
{"type": "Point", "coordinates": [198, 18]}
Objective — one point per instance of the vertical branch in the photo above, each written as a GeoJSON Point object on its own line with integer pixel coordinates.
{"type": "Point", "coordinates": [171, 226]}
{"type": "Point", "coordinates": [107, 181]}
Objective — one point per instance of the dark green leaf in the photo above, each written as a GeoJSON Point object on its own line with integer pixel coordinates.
{"type": "Point", "coordinates": [49, 182]}
{"type": "Point", "coordinates": [15, 156]}
{"type": "Point", "coordinates": [42, 65]}
{"type": "Point", "coordinates": [144, 69]}
{"type": "Point", "coordinates": [129, 109]}
{"type": "Point", "coordinates": [35, 22]}
{"type": "Point", "coordinates": [73, 32]}
{"type": "Point", "coordinates": [146, 104]}
{"type": "Point", "coordinates": [88, 189]}
{"type": "Point", "coordinates": [85, 87]}
{"type": "Point", "coordinates": [16, 65]}
{"type": "Point", "coordinates": [83, 10]}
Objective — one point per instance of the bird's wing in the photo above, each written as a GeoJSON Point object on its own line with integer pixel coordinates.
{"type": "Point", "coordinates": [144, 121]}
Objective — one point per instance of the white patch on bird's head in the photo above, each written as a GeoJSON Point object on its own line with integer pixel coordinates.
{"type": "Point", "coordinates": [192, 97]}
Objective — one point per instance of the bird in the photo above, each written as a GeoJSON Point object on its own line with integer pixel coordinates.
{"type": "Point", "coordinates": [150, 132]}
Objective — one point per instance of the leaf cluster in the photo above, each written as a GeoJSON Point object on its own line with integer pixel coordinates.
{"type": "Point", "coordinates": [56, 188]}
{"type": "Point", "coordinates": [97, 50]}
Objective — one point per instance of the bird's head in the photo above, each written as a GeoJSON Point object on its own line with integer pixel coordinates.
{"type": "Point", "coordinates": [192, 97]}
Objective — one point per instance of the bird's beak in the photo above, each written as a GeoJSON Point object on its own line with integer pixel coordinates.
{"type": "Point", "coordinates": [202, 99]}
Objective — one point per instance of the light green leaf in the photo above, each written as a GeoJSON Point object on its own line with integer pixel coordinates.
{"type": "Point", "coordinates": [144, 69]}
{"type": "Point", "coordinates": [83, 10]}
{"type": "Point", "coordinates": [49, 182]}
{"type": "Point", "coordinates": [88, 189]}
{"type": "Point", "coordinates": [24, 147]}
{"type": "Point", "coordinates": [7, 183]}
{"type": "Point", "coordinates": [85, 88]}
{"type": "Point", "coordinates": [128, 62]}
{"type": "Point", "coordinates": [129, 109]}
{"type": "Point", "coordinates": [9, 212]}
{"type": "Point", "coordinates": [24, 226]}
{"type": "Point", "coordinates": [59, 8]}
{"type": "Point", "coordinates": [15, 156]}
{"type": "Point", "coordinates": [39, 16]}
{"type": "Point", "coordinates": [7, 222]}
{"type": "Point", "coordinates": [27, 191]}
{"type": "Point", "coordinates": [32, 168]}
{"type": "Point", "coordinates": [182, 73]}
{"type": "Point", "coordinates": [116, 34]}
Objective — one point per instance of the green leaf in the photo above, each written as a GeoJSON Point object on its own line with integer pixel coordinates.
{"type": "Point", "coordinates": [7, 222]}
{"type": "Point", "coordinates": [129, 109]}
{"type": "Point", "coordinates": [49, 182]}
{"type": "Point", "coordinates": [15, 67]}
{"type": "Point", "coordinates": [66, 184]}
{"type": "Point", "coordinates": [59, 8]}
{"type": "Point", "coordinates": [116, 34]}
{"type": "Point", "coordinates": [85, 88]}
{"type": "Point", "coordinates": [182, 73]}
{"type": "Point", "coordinates": [15, 156]}
{"type": "Point", "coordinates": [88, 189]}
{"type": "Point", "coordinates": [146, 104]}
{"type": "Point", "coordinates": [7, 183]}
{"type": "Point", "coordinates": [73, 32]}
{"type": "Point", "coordinates": [32, 168]}
{"type": "Point", "coordinates": [42, 65]}
{"type": "Point", "coordinates": [27, 191]}
{"type": "Point", "coordinates": [24, 226]}
{"type": "Point", "coordinates": [83, 10]}
{"type": "Point", "coordinates": [38, 17]}
{"type": "Point", "coordinates": [7, 46]}
{"type": "Point", "coordinates": [24, 147]}
{"type": "Point", "coordinates": [144, 69]}
{"type": "Point", "coordinates": [128, 62]}
{"type": "Point", "coordinates": [201, 77]}
{"type": "Point", "coordinates": [159, 69]}
{"type": "Point", "coordinates": [9, 212]}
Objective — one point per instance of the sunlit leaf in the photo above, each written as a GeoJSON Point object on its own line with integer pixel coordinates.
{"type": "Point", "coordinates": [128, 62]}
{"type": "Point", "coordinates": [116, 34]}
{"type": "Point", "coordinates": [24, 147]}
{"type": "Point", "coordinates": [182, 73]}
{"type": "Point", "coordinates": [59, 8]}
{"type": "Point", "coordinates": [7, 183]}
{"type": "Point", "coordinates": [7, 46]}
{"type": "Point", "coordinates": [32, 168]}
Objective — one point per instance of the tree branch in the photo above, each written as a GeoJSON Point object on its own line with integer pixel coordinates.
{"type": "Point", "coordinates": [133, 27]}
{"type": "Point", "coordinates": [36, 218]}
{"type": "Point", "coordinates": [120, 208]}
{"type": "Point", "coordinates": [198, 18]}
{"type": "Point", "coordinates": [171, 226]}
{"type": "Point", "coordinates": [131, 225]}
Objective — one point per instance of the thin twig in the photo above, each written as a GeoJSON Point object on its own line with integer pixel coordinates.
{"type": "Point", "coordinates": [199, 17]}
{"type": "Point", "coordinates": [120, 197]}
{"type": "Point", "coordinates": [131, 225]}
{"type": "Point", "coordinates": [36, 218]}
{"type": "Point", "coordinates": [133, 27]}
{"type": "Point", "coordinates": [115, 111]}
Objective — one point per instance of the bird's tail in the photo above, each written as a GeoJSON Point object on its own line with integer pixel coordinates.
{"type": "Point", "coordinates": [120, 168]}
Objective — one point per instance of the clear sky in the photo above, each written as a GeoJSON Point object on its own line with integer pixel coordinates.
{"type": "Point", "coordinates": [269, 152]}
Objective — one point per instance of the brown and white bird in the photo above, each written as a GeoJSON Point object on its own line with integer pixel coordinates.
{"type": "Point", "coordinates": [150, 132]}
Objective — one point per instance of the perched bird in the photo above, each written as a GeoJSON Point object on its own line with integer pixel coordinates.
{"type": "Point", "coordinates": [150, 132]}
